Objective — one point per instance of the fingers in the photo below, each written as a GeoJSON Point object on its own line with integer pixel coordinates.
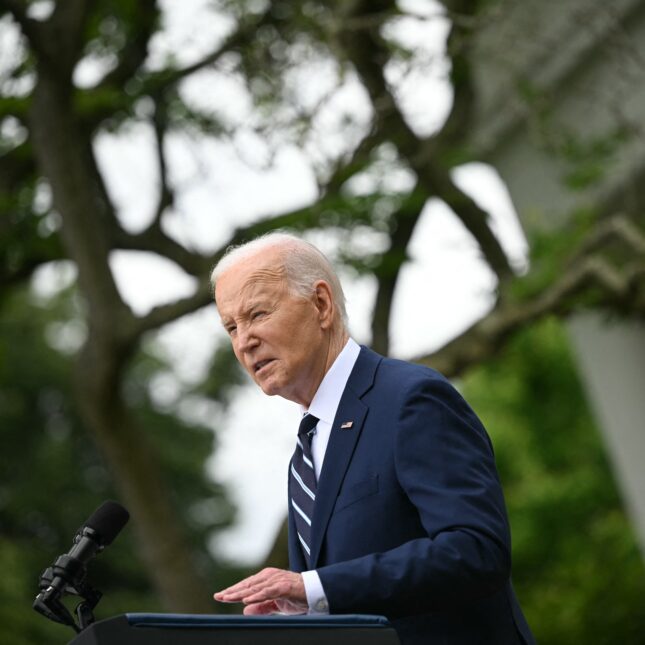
{"type": "Point", "coordinates": [247, 582]}
{"type": "Point", "coordinates": [264, 587]}
{"type": "Point", "coordinates": [247, 586]}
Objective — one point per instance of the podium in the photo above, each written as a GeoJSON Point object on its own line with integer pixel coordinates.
{"type": "Point", "coordinates": [206, 629]}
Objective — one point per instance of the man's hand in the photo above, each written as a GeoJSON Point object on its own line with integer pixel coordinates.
{"type": "Point", "coordinates": [268, 592]}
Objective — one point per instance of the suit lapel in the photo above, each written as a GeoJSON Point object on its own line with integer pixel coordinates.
{"type": "Point", "coordinates": [351, 414]}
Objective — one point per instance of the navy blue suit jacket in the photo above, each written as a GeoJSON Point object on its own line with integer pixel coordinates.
{"type": "Point", "coordinates": [410, 521]}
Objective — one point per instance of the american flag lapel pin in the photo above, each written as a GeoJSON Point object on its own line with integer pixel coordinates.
{"type": "Point", "coordinates": [346, 425]}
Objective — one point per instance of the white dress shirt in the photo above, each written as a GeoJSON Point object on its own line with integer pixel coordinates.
{"type": "Point", "coordinates": [324, 406]}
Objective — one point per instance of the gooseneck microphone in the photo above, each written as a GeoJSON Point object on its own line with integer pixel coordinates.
{"type": "Point", "coordinates": [68, 573]}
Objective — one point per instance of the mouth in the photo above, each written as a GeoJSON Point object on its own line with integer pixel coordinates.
{"type": "Point", "coordinates": [260, 365]}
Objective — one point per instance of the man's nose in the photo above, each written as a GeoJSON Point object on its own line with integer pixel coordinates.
{"type": "Point", "coordinates": [246, 339]}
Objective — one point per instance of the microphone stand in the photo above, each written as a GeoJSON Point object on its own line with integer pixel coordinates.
{"type": "Point", "coordinates": [56, 582]}
{"type": "Point", "coordinates": [68, 574]}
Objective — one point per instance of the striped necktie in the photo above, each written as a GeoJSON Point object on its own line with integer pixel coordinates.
{"type": "Point", "coordinates": [303, 484]}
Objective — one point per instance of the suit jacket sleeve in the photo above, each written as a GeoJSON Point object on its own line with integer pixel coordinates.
{"type": "Point", "coordinates": [444, 463]}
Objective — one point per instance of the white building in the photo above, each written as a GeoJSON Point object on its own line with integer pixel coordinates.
{"type": "Point", "coordinates": [548, 73]}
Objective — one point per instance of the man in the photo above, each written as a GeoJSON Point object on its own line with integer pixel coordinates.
{"type": "Point", "coordinates": [395, 506]}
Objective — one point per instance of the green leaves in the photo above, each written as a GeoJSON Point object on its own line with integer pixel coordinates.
{"type": "Point", "coordinates": [576, 565]}
{"type": "Point", "coordinates": [52, 475]}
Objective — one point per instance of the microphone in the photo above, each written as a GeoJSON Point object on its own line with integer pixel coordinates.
{"type": "Point", "coordinates": [67, 575]}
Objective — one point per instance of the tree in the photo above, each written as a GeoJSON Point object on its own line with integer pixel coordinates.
{"type": "Point", "coordinates": [53, 475]}
{"type": "Point", "coordinates": [566, 516]}
{"type": "Point", "coordinates": [56, 203]}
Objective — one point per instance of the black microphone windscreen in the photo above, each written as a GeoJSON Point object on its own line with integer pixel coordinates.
{"type": "Point", "coordinates": [108, 520]}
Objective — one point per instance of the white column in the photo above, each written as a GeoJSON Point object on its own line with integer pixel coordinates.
{"type": "Point", "coordinates": [611, 360]}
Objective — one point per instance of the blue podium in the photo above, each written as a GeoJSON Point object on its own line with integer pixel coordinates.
{"type": "Point", "coordinates": [206, 629]}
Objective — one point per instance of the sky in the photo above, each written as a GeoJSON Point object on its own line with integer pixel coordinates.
{"type": "Point", "coordinates": [443, 289]}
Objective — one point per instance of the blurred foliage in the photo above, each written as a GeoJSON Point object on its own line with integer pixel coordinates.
{"type": "Point", "coordinates": [52, 476]}
{"type": "Point", "coordinates": [576, 566]}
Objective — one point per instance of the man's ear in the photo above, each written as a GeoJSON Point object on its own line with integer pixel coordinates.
{"type": "Point", "coordinates": [324, 303]}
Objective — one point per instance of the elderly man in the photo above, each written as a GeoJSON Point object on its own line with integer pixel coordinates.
{"type": "Point", "coordinates": [395, 506]}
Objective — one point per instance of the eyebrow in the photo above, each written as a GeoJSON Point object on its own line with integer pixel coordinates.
{"type": "Point", "coordinates": [260, 301]}
{"type": "Point", "coordinates": [266, 275]}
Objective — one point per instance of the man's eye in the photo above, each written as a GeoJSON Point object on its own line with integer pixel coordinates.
{"type": "Point", "coordinates": [230, 330]}
{"type": "Point", "coordinates": [257, 314]}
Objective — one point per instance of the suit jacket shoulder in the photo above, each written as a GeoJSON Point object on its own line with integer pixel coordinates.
{"type": "Point", "coordinates": [410, 519]}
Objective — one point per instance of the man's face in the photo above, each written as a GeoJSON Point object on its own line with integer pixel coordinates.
{"type": "Point", "coordinates": [282, 340]}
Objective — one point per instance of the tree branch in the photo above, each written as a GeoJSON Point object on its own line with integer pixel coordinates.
{"type": "Point", "coordinates": [463, 103]}
{"type": "Point", "coordinates": [588, 280]}
{"type": "Point", "coordinates": [473, 217]}
{"type": "Point", "coordinates": [387, 273]}
{"type": "Point", "coordinates": [154, 240]}
{"type": "Point", "coordinates": [166, 79]}
{"type": "Point", "coordinates": [358, 160]}
{"type": "Point", "coordinates": [166, 195]}
{"type": "Point", "coordinates": [368, 53]}
{"type": "Point", "coordinates": [165, 314]}
{"type": "Point", "coordinates": [135, 52]}
{"type": "Point", "coordinates": [617, 228]}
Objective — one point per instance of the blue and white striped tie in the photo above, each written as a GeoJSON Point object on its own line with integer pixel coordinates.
{"type": "Point", "coordinates": [303, 484]}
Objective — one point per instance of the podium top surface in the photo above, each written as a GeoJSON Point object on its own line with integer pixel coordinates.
{"type": "Point", "coordinates": [213, 621]}
{"type": "Point", "coordinates": [207, 629]}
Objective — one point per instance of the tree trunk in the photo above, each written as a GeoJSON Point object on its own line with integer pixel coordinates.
{"type": "Point", "coordinates": [65, 157]}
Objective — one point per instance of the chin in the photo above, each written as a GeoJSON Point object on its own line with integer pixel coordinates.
{"type": "Point", "coordinates": [275, 389]}
{"type": "Point", "coordinates": [269, 388]}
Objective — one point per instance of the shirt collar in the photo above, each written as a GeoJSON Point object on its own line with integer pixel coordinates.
{"type": "Point", "coordinates": [327, 397]}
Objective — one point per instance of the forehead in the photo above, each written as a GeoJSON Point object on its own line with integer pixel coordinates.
{"type": "Point", "coordinates": [251, 279]}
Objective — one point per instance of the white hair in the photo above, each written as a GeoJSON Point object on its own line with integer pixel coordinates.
{"type": "Point", "coordinates": [302, 262]}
